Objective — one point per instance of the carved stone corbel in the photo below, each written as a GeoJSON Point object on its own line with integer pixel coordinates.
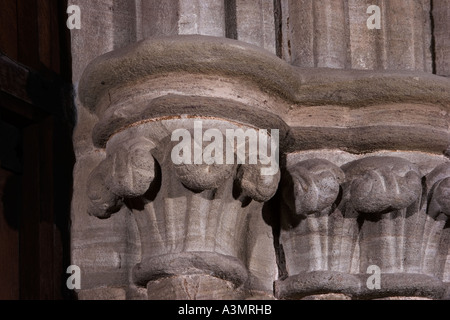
{"type": "Point", "coordinates": [315, 238]}
{"type": "Point", "coordinates": [381, 214]}
{"type": "Point", "coordinates": [202, 228]}
{"type": "Point", "coordinates": [192, 218]}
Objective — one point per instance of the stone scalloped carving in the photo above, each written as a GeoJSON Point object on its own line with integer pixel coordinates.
{"type": "Point", "coordinates": [438, 184]}
{"type": "Point", "coordinates": [315, 185]}
{"type": "Point", "coordinates": [379, 220]}
{"type": "Point", "coordinates": [381, 184]}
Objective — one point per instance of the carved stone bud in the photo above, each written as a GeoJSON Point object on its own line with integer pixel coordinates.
{"type": "Point", "coordinates": [255, 185]}
{"type": "Point", "coordinates": [438, 185]}
{"type": "Point", "coordinates": [132, 168]}
{"type": "Point", "coordinates": [127, 172]}
{"type": "Point", "coordinates": [382, 184]}
{"type": "Point", "coordinates": [316, 185]}
{"type": "Point", "coordinates": [103, 202]}
{"type": "Point", "coordinates": [200, 177]}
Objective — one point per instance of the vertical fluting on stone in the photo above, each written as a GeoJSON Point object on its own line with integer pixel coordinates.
{"type": "Point", "coordinates": [428, 45]}
{"type": "Point", "coordinates": [319, 242]}
{"type": "Point", "coordinates": [125, 22]}
{"type": "Point", "coordinates": [173, 17]}
{"type": "Point", "coordinates": [407, 41]}
{"type": "Point", "coordinates": [205, 17]}
{"type": "Point", "coordinates": [441, 18]}
{"type": "Point", "coordinates": [159, 18]}
{"type": "Point", "coordinates": [255, 23]}
{"type": "Point", "coordinates": [384, 213]}
{"type": "Point", "coordinates": [260, 258]}
{"type": "Point", "coordinates": [311, 188]}
{"type": "Point", "coordinates": [401, 217]}
{"type": "Point", "coordinates": [335, 34]}
{"type": "Point", "coordinates": [105, 26]}
{"type": "Point", "coordinates": [316, 33]}
{"type": "Point", "coordinates": [366, 45]}
{"type": "Point", "coordinates": [384, 192]}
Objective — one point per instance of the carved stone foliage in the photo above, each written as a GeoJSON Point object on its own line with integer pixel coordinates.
{"type": "Point", "coordinates": [376, 211]}
{"type": "Point", "coordinates": [193, 219]}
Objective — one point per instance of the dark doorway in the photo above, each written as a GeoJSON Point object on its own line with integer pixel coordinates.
{"type": "Point", "coordinates": [36, 154]}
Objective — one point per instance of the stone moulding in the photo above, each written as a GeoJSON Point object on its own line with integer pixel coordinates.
{"type": "Point", "coordinates": [207, 226]}
{"type": "Point", "coordinates": [224, 57]}
{"type": "Point", "coordinates": [324, 108]}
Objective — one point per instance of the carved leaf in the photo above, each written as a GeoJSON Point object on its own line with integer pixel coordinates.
{"type": "Point", "coordinates": [259, 187]}
{"type": "Point", "coordinates": [315, 184]}
{"type": "Point", "coordinates": [380, 184]}
{"type": "Point", "coordinates": [438, 184]}
{"type": "Point", "coordinates": [132, 168]}
{"type": "Point", "coordinates": [103, 202]}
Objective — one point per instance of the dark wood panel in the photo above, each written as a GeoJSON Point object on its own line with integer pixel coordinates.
{"type": "Point", "coordinates": [9, 235]}
{"type": "Point", "coordinates": [34, 33]}
{"type": "Point", "coordinates": [8, 27]}
{"type": "Point", "coordinates": [34, 98]}
{"type": "Point", "coordinates": [48, 34]}
{"type": "Point", "coordinates": [29, 219]}
{"type": "Point", "coordinates": [14, 79]}
{"type": "Point", "coordinates": [28, 39]}
{"type": "Point", "coordinates": [46, 221]}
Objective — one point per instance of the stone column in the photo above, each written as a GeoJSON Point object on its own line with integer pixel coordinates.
{"type": "Point", "coordinates": [255, 22]}
{"type": "Point", "coordinates": [248, 21]}
{"type": "Point", "coordinates": [200, 228]}
{"type": "Point", "coordinates": [315, 33]}
{"type": "Point", "coordinates": [334, 34]}
{"type": "Point", "coordinates": [176, 17]}
{"type": "Point", "coordinates": [441, 16]}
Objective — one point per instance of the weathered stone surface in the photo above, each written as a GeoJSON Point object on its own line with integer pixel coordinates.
{"type": "Point", "coordinates": [317, 283]}
{"type": "Point", "coordinates": [314, 184]}
{"type": "Point", "coordinates": [255, 23]}
{"type": "Point", "coordinates": [377, 196]}
{"type": "Point", "coordinates": [103, 294]}
{"type": "Point", "coordinates": [441, 17]}
{"type": "Point", "coordinates": [381, 184]}
{"type": "Point", "coordinates": [174, 17]}
{"type": "Point", "coordinates": [405, 285]}
{"type": "Point", "coordinates": [438, 185]}
{"type": "Point", "coordinates": [192, 219]}
{"type": "Point", "coordinates": [375, 224]}
{"type": "Point", "coordinates": [210, 55]}
{"type": "Point", "coordinates": [334, 34]}
{"type": "Point", "coordinates": [404, 111]}
{"type": "Point", "coordinates": [329, 296]}
{"type": "Point", "coordinates": [196, 287]}
{"type": "Point", "coordinates": [105, 26]}
{"type": "Point", "coordinates": [315, 33]}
